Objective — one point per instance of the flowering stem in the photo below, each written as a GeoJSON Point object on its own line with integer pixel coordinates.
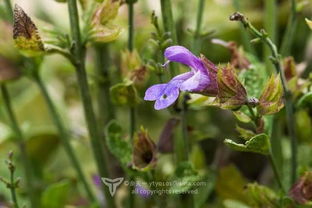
{"type": "Point", "coordinates": [270, 27]}
{"type": "Point", "coordinates": [200, 13]}
{"type": "Point", "coordinates": [290, 30]}
{"type": "Point", "coordinates": [21, 144]}
{"type": "Point", "coordinates": [287, 94]}
{"type": "Point", "coordinates": [64, 135]}
{"type": "Point", "coordinates": [105, 106]}
{"type": "Point", "coordinates": [169, 27]}
{"type": "Point", "coordinates": [167, 16]}
{"type": "Point", "coordinates": [79, 55]}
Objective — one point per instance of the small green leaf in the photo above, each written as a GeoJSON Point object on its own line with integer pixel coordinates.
{"type": "Point", "coordinates": [242, 117]}
{"type": "Point", "coordinates": [124, 94]}
{"type": "Point", "coordinates": [305, 100]}
{"type": "Point", "coordinates": [117, 145]}
{"type": "Point", "coordinates": [25, 34]}
{"type": "Point", "coordinates": [271, 101]}
{"type": "Point", "coordinates": [258, 144]}
{"type": "Point", "coordinates": [56, 195]}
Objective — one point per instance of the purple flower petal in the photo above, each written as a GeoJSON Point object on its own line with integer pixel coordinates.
{"type": "Point", "coordinates": [154, 92]}
{"type": "Point", "coordinates": [197, 82]}
{"type": "Point", "coordinates": [143, 192]}
{"type": "Point", "coordinates": [184, 56]}
{"type": "Point", "coordinates": [169, 96]}
{"type": "Point", "coordinates": [182, 77]}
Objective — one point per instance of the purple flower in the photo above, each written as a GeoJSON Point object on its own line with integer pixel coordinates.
{"type": "Point", "coordinates": [201, 78]}
{"type": "Point", "coordinates": [142, 192]}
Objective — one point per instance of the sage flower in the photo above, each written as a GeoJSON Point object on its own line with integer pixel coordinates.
{"type": "Point", "coordinates": [201, 79]}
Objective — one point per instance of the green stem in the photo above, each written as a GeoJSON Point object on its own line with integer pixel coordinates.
{"type": "Point", "coordinates": [245, 38]}
{"type": "Point", "coordinates": [105, 106]}
{"type": "Point", "coordinates": [13, 189]}
{"type": "Point", "coordinates": [21, 144]}
{"type": "Point", "coordinates": [290, 30]}
{"type": "Point", "coordinates": [186, 145]}
{"type": "Point", "coordinates": [131, 26]}
{"type": "Point", "coordinates": [276, 173]}
{"type": "Point", "coordinates": [132, 110]}
{"type": "Point", "coordinates": [287, 93]}
{"type": "Point", "coordinates": [167, 17]}
{"type": "Point", "coordinates": [64, 136]}
{"type": "Point", "coordinates": [200, 13]}
{"type": "Point", "coordinates": [79, 54]}
{"type": "Point", "coordinates": [270, 28]}
{"type": "Point", "coordinates": [169, 27]}
{"type": "Point", "coordinates": [9, 9]}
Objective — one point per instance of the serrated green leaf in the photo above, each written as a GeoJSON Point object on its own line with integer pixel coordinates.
{"type": "Point", "coordinates": [253, 79]}
{"type": "Point", "coordinates": [258, 144]}
{"type": "Point", "coordinates": [270, 101]}
{"type": "Point", "coordinates": [117, 145]}
{"type": "Point", "coordinates": [185, 178]}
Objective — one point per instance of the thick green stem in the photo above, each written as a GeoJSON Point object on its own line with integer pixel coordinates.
{"type": "Point", "coordinates": [22, 146]}
{"type": "Point", "coordinates": [79, 55]}
{"type": "Point", "coordinates": [64, 136]}
{"type": "Point", "coordinates": [200, 14]}
{"type": "Point", "coordinates": [290, 30]}
{"type": "Point", "coordinates": [105, 106]}
{"type": "Point", "coordinates": [270, 28]}
{"type": "Point", "coordinates": [287, 94]}
{"type": "Point", "coordinates": [169, 27]}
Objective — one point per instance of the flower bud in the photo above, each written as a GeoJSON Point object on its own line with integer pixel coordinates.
{"type": "Point", "coordinates": [232, 94]}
